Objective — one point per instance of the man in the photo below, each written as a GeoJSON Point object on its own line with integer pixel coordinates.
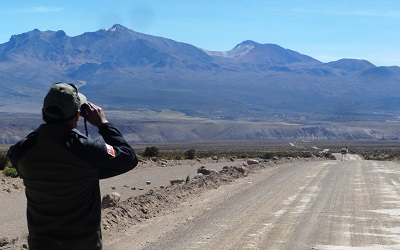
{"type": "Point", "coordinates": [61, 169]}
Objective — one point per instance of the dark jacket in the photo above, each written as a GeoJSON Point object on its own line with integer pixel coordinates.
{"type": "Point", "coordinates": [61, 169]}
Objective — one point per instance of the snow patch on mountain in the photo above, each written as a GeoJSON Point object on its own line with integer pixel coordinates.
{"type": "Point", "coordinates": [239, 50]}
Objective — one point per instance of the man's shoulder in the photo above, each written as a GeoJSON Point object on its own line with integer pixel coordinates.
{"type": "Point", "coordinates": [79, 143]}
{"type": "Point", "coordinates": [76, 133]}
{"type": "Point", "coordinates": [29, 140]}
{"type": "Point", "coordinates": [75, 138]}
{"type": "Point", "coordinates": [19, 149]}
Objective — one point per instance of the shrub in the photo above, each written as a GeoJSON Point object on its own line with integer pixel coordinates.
{"type": "Point", "coordinates": [177, 157]}
{"type": "Point", "coordinates": [11, 172]}
{"type": "Point", "coordinates": [190, 154]}
{"type": "Point", "coordinates": [306, 154]}
{"type": "Point", "coordinates": [282, 154]}
{"type": "Point", "coordinates": [4, 162]}
{"type": "Point", "coordinates": [381, 155]}
{"type": "Point", "coordinates": [326, 155]}
{"type": "Point", "coordinates": [150, 152]}
{"type": "Point", "coordinates": [268, 155]}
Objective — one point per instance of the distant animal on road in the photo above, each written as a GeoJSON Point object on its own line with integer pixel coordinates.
{"type": "Point", "coordinates": [344, 152]}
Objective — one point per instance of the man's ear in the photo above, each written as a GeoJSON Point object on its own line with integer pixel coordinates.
{"type": "Point", "coordinates": [76, 117]}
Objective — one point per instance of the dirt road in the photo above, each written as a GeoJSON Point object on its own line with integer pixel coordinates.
{"type": "Point", "coordinates": [331, 205]}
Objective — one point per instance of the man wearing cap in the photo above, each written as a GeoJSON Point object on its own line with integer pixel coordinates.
{"type": "Point", "coordinates": [61, 169]}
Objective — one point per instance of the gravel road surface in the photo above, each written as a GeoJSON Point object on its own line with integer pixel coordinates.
{"type": "Point", "coordinates": [330, 205]}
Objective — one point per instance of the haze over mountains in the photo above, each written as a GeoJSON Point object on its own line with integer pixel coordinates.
{"type": "Point", "coordinates": [125, 70]}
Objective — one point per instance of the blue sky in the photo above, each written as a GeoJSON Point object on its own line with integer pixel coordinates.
{"type": "Point", "coordinates": [327, 30]}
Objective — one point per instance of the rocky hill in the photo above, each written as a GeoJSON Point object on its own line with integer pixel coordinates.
{"type": "Point", "coordinates": [124, 70]}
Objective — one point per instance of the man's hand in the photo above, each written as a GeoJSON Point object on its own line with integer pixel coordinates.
{"type": "Point", "coordinates": [94, 114]}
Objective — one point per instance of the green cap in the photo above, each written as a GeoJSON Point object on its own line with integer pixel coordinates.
{"type": "Point", "coordinates": [62, 101]}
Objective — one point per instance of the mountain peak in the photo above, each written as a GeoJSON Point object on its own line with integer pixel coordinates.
{"type": "Point", "coordinates": [116, 27]}
{"type": "Point", "coordinates": [350, 65]}
{"type": "Point", "coordinates": [242, 49]}
{"type": "Point", "coordinates": [248, 43]}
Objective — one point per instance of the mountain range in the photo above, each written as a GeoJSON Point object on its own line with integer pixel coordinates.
{"type": "Point", "coordinates": [124, 70]}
